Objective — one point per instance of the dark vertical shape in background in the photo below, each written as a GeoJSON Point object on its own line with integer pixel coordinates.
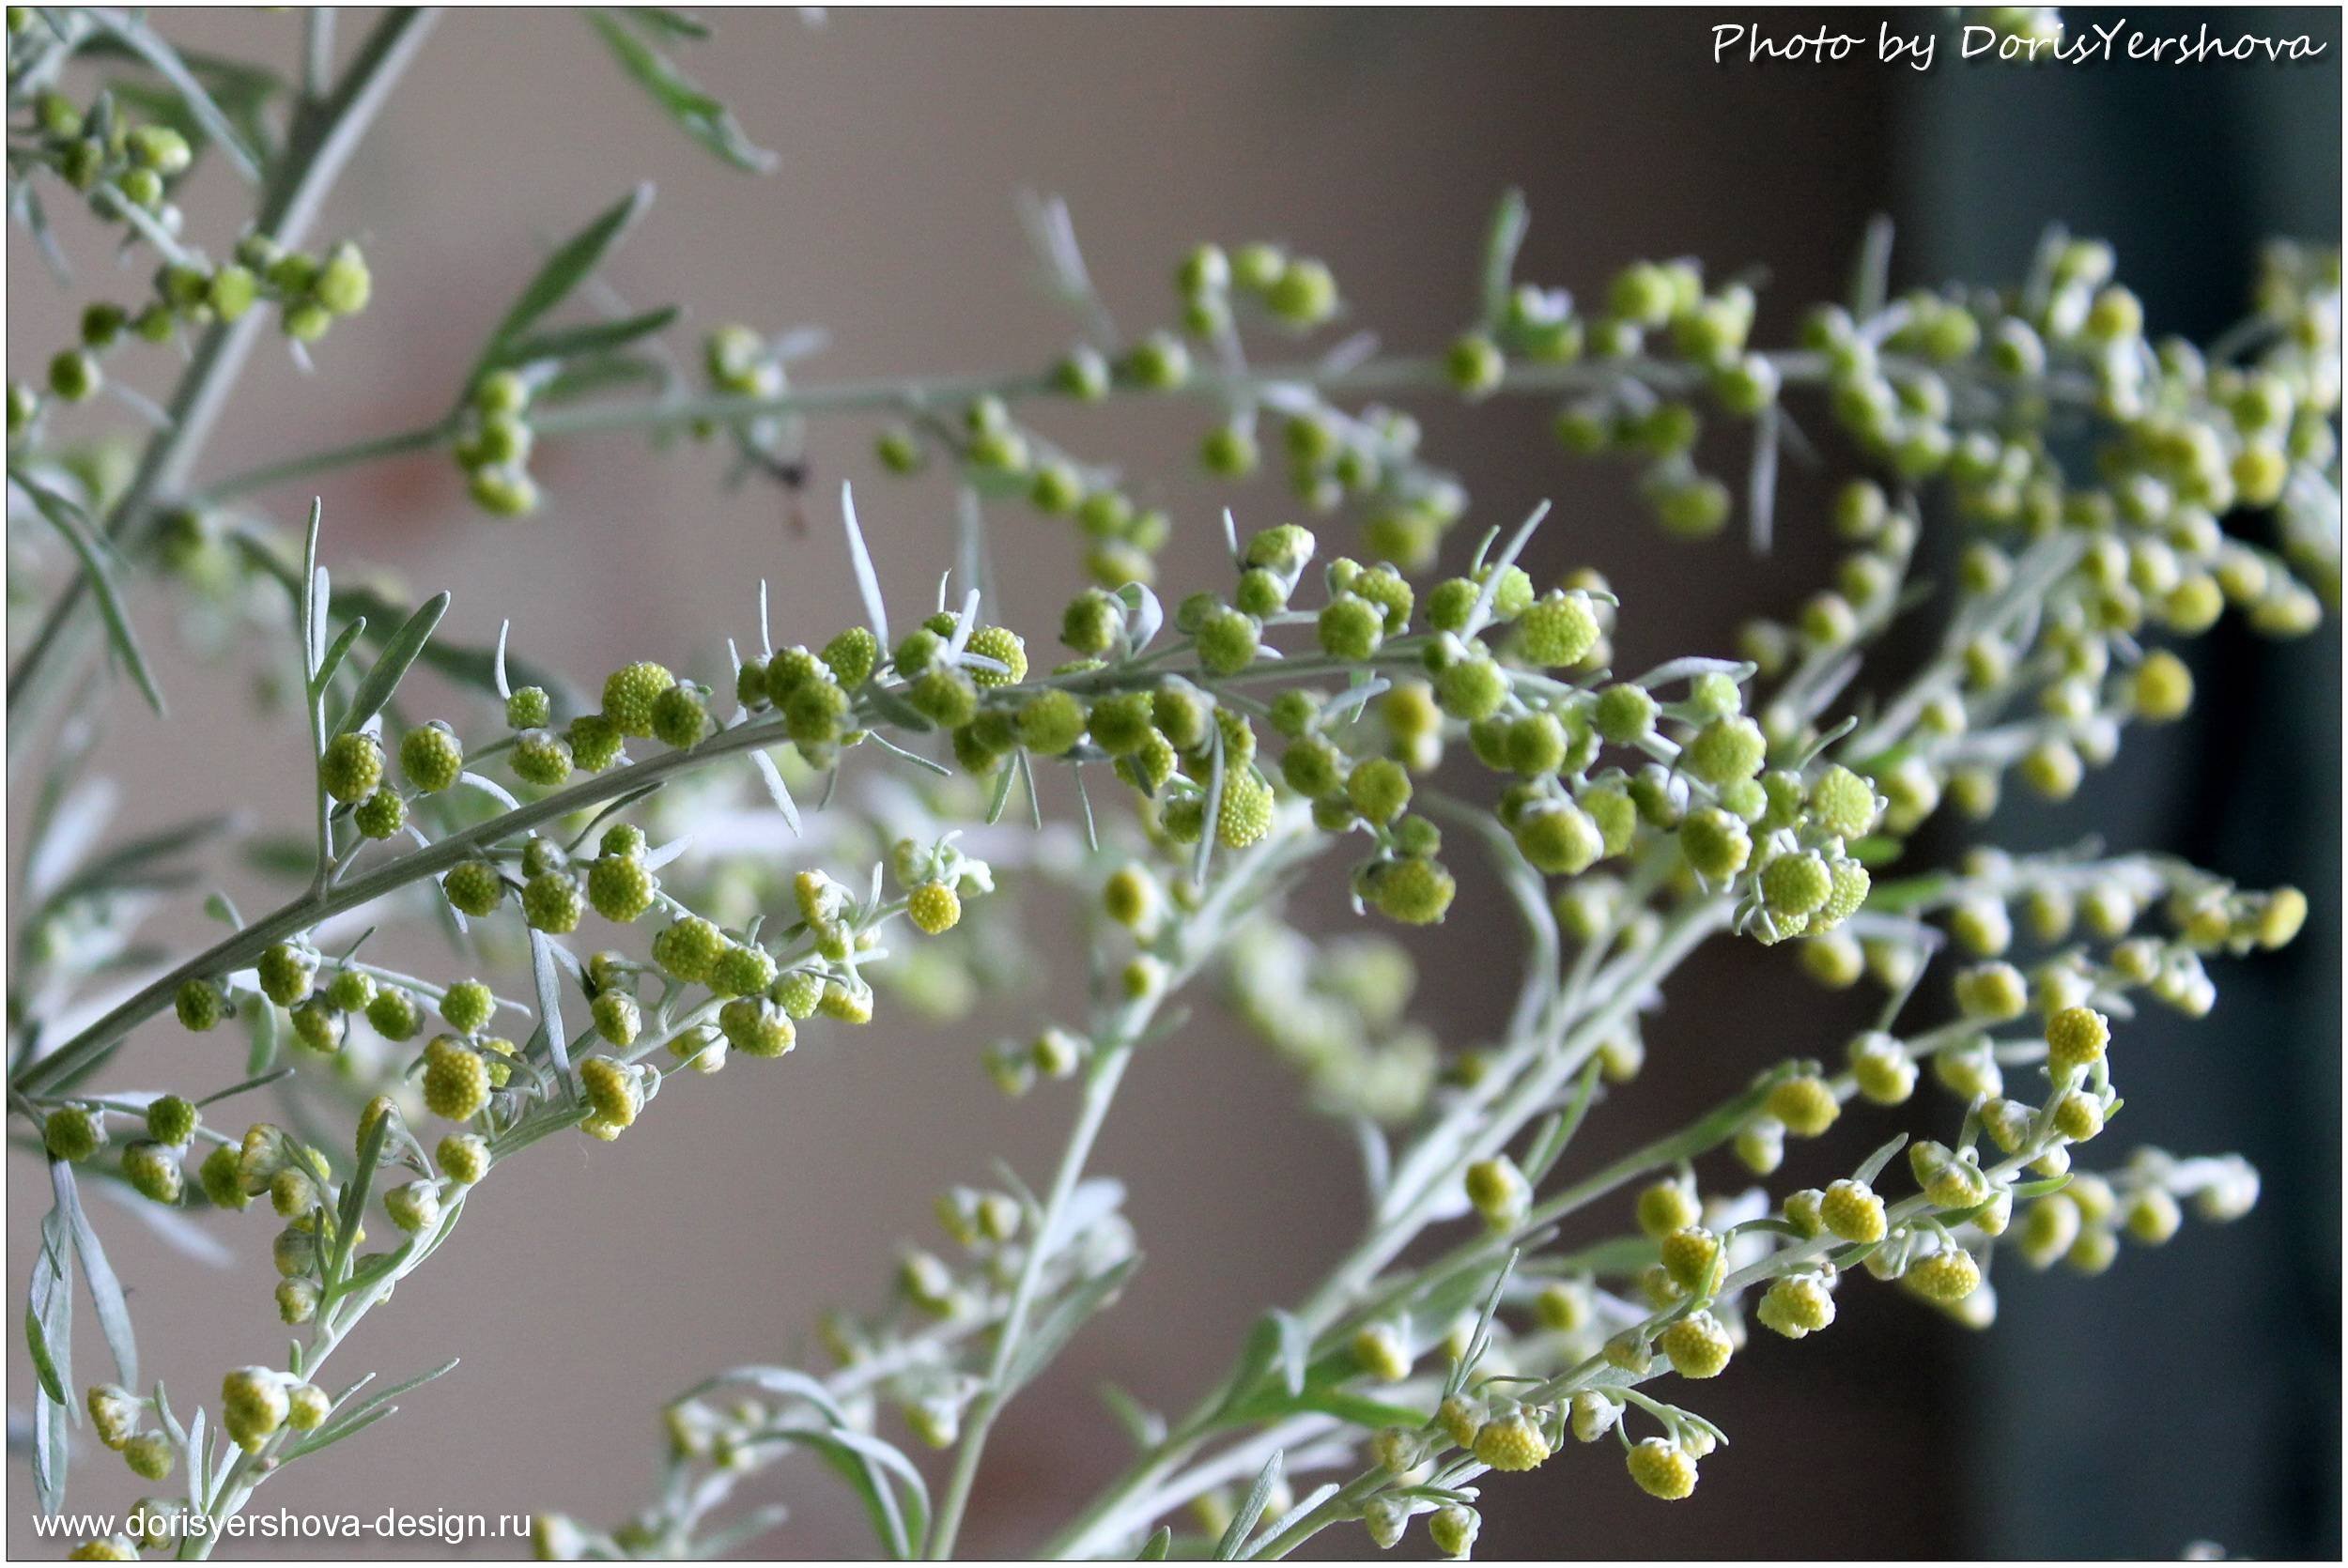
{"type": "Point", "coordinates": [2201, 1382]}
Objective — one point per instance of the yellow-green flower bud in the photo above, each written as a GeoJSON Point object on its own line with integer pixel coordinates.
{"type": "Point", "coordinates": [1851, 1210]}
{"type": "Point", "coordinates": [1511, 1442]}
{"type": "Point", "coordinates": [1698, 1346]}
{"type": "Point", "coordinates": [1662, 1468]}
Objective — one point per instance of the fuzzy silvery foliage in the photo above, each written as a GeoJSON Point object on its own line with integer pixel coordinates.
{"type": "Point", "coordinates": [649, 879]}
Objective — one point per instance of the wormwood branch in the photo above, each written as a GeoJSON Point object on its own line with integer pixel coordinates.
{"type": "Point", "coordinates": [1309, 700]}
{"type": "Point", "coordinates": [295, 190]}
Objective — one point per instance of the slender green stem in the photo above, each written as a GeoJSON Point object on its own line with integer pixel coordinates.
{"type": "Point", "coordinates": [298, 187]}
{"type": "Point", "coordinates": [1101, 1087]}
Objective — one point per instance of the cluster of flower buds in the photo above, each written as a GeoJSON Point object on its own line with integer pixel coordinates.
{"type": "Point", "coordinates": [493, 447]}
{"type": "Point", "coordinates": [1333, 1013]}
{"type": "Point", "coordinates": [309, 291]}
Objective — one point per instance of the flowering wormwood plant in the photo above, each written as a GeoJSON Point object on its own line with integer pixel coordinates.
{"type": "Point", "coordinates": [2111, 495]}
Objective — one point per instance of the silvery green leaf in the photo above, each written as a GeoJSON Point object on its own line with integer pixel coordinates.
{"type": "Point", "coordinates": [1055, 1327]}
{"type": "Point", "coordinates": [1145, 615]}
{"type": "Point", "coordinates": [566, 268]}
{"type": "Point", "coordinates": [776, 789]}
{"type": "Point", "coordinates": [1482, 612]}
{"type": "Point", "coordinates": [550, 1006]}
{"type": "Point", "coordinates": [701, 116]}
{"type": "Point", "coordinates": [390, 666]}
{"type": "Point", "coordinates": [1154, 1550]}
{"type": "Point", "coordinates": [1691, 667]}
{"type": "Point", "coordinates": [1303, 1505]}
{"type": "Point", "coordinates": [1503, 238]}
{"type": "Point", "coordinates": [504, 688]}
{"type": "Point", "coordinates": [1146, 1427]}
{"type": "Point", "coordinates": [589, 337]}
{"type": "Point", "coordinates": [97, 568]}
{"type": "Point", "coordinates": [867, 583]}
{"type": "Point", "coordinates": [47, 1324]}
{"type": "Point", "coordinates": [1235, 1533]}
{"type": "Point", "coordinates": [113, 1312]}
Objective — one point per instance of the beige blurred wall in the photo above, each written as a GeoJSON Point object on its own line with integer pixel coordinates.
{"type": "Point", "coordinates": [592, 1282]}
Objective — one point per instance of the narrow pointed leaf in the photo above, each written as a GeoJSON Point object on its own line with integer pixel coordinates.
{"type": "Point", "coordinates": [63, 516]}
{"type": "Point", "coordinates": [390, 667]}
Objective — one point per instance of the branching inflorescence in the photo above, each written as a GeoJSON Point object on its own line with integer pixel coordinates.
{"type": "Point", "coordinates": [2115, 493]}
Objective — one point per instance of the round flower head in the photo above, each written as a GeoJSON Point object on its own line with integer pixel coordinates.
{"type": "Point", "coordinates": [1006, 648]}
{"type": "Point", "coordinates": [612, 1088]}
{"type": "Point", "coordinates": [550, 903]}
{"type": "Point", "coordinates": [2152, 1216]}
{"type": "Point", "coordinates": [1716, 844]}
{"type": "Point", "coordinates": [1761, 1145]}
{"type": "Point", "coordinates": [473, 887]}
{"type": "Point", "coordinates": [318, 1027]}
{"type": "Point", "coordinates": [1796, 885]}
{"type": "Point", "coordinates": [688, 949]}
{"type": "Point", "coordinates": [1380, 1350]}
{"type": "Point", "coordinates": [1796, 1305]}
{"type": "Point", "coordinates": [542, 757]}
{"type": "Point", "coordinates": [1665, 1207]}
{"type": "Point", "coordinates": [757, 1027]}
{"type": "Point", "coordinates": [1698, 1346]}
{"type": "Point", "coordinates": [529, 708]}
{"type": "Point", "coordinates": [381, 814]}
{"type": "Point", "coordinates": [73, 1132]}
{"type": "Point", "coordinates": [1725, 751]}
{"type": "Point", "coordinates": [620, 887]}
{"type": "Point", "coordinates": [1453, 1528]}
{"type": "Point", "coordinates": [744, 968]}
{"type": "Point", "coordinates": [1051, 723]}
{"type": "Point", "coordinates": [431, 757]}
{"type": "Point", "coordinates": [1473, 688]}
{"type": "Point", "coordinates": [114, 1414]}
{"type": "Point", "coordinates": [933, 907]}
{"type": "Point", "coordinates": [1510, 1442]}
{"type": "Point", "coordinates": [1948, 1275]}
{"type": "Point", "coordinates": [287, 973]}
{"type": "Point", "coordinates": [351, 767]}
{"type": "Point", "coordinates": [1805, 1106]}
{"type": "Point", "coordinates": [468, 1005]}
{"type": "Point", "coordinates": [616, 1017]}
{"type": "Point", "coordinates": [594, 741]}
{"type": "Point", "coordinates": [1560, 839]}
{"type": "Point", "coordinates": [1593, 1415]}
{"type": "Point", "coordinates": [849, 1001]}
{"type": "Point", "coordinates": [465, 1157]}
{"type": "Point", "coordinates": [1662, 1468]}
{"type": "Point", "coordinates": [351, 990]}
{"type": "Point", "coordinates": [1843, 804]}
{"type": "Point", "coordinates": [307, 1406]}
{"type": "Point", "coordinates": [680, 716]}
{"type": "Point", "coordinates": [1245, 816]}
{"type": "Point", "coordinates": [629, 694]}
{"type": "Point", "coordinates": [152, 1169]}
{"type": "Point", "coordinates": [1851, 1210]}
{"type": "Point", "coordinates": [150, 1456]}
{"type": "Point", "coordinates": [1499, 1192]}
{"type": "Point", "coordinates": [200, 1005]}
{"type": "Point", "coordinates": [414, 1205]}
{"type": "Point", "coordinates": [1556, 630]}
{"type": "Point", "coordinates": [2076, 1037]}
{"type": "Point", "coordinates": [253, 1405]}
{"type": "Point", "coordinates": [1992, 993]}
{"type": "Point", "coordinates": [1689, 1254]}
{"type": "Point", "coordinates": [222, 1180]}
{"type": "Point", "coordinates": [455, 1079]}
{"type": "Point", "coordinates": [1414, 891]}
{"type": "Point", "coordinates": [173, 1120]}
